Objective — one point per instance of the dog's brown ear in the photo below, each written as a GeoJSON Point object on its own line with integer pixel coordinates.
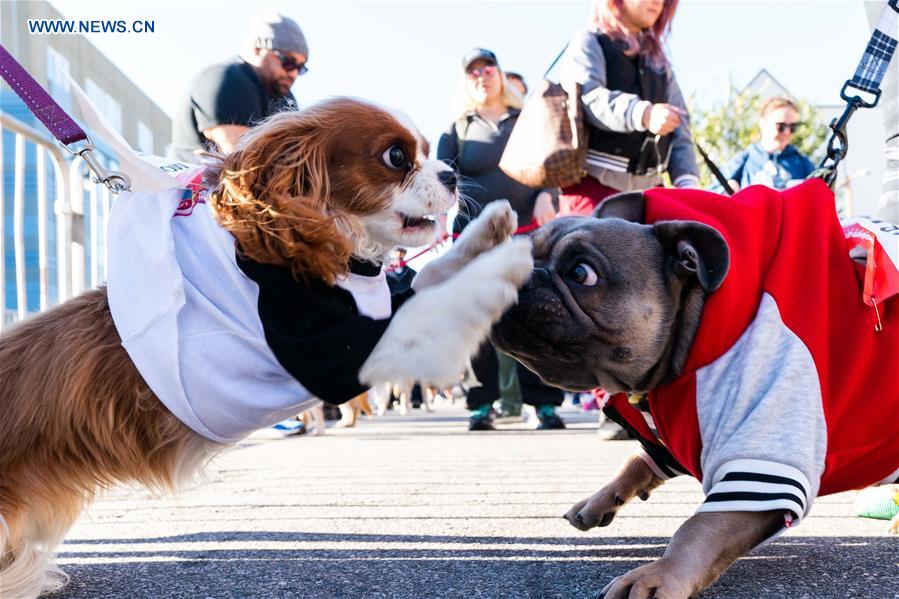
{"type": "Point", "coordinates": [630, 206]}
{"type": "Point", "coordinates": [273, 196]}
{"type": "Point", "coordinates": [698, 252]}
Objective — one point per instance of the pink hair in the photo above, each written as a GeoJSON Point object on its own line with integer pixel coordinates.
{"type": "Point", "coordinates": [606, 18]}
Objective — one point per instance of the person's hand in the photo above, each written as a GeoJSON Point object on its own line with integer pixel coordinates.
{"type": "Point", "coordinates": [734, 185]}
{"type": "Point", "coordinates": [543, 208]}
{"type": "Point", "coordinates": [662, 119]}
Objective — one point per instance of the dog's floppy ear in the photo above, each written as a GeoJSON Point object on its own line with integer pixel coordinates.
{"type": "Point", "coordinates": [273, 195]}
{"type": "Point", "coordinates": [630, 206]}
{"type": "Point", "coordinates": [697, 251]}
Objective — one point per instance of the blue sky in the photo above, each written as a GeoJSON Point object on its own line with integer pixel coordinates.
{"type": "Point", "coordinates": [406, 54]}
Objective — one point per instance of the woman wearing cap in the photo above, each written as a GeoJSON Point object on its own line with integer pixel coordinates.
{"type": "Point", "coordinates": [637, 118]}
{"type": "Point", "coordinates": [473, 145]}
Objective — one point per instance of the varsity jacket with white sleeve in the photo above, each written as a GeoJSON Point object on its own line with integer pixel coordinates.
{"type": "Point", "coordinates": [788, 392]}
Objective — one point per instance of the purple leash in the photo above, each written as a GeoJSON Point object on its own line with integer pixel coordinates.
{"type": "Point", "coordinates": [63, 127]}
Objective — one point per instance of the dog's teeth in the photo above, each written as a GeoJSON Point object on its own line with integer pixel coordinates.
{"type": "Point", "coordinates": [417, 221]}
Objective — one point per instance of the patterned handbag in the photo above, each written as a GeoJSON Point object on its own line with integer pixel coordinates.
{"type": "Point", "coordinates": [548, 146]}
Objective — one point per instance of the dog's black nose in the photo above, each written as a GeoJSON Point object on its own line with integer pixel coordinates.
{"type": "Point", "coordinates": [448, 178]}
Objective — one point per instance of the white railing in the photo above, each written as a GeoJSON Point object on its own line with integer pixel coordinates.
{"type": "Point", "coordinates": [71, 184]}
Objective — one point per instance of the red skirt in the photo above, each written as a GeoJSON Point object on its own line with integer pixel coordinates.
{"type": "Point", "coordinates": [583, 198]}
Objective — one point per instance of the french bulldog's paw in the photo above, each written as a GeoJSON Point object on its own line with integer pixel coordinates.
{"type": "Point", "coordinates": [894, 525]}
{"type": "Point", "coordinates": [493, 226]}
{"type": "Point", "coordinates": [658, 580]}
{"type": "Point", "coordinates": [590, 512]}
{"type": "Point", "coordinates": [634, 479]}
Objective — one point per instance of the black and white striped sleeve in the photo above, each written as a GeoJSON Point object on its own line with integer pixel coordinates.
{"type": "Point", "coordinates": [761, 417]}
{"type": "Point", "coordinates": [660, 461]}
{"type": "Point", "coordinates": [747, 485]}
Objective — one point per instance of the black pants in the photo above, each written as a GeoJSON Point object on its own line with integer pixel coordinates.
{"type": "Point", "coordinates": [486, 368]}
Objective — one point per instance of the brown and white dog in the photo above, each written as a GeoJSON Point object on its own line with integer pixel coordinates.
{"type": "Point", "coordinates": [307, 196]}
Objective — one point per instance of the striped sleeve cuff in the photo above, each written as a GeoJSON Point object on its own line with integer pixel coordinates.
{"type": "Point", "coordinates": [637, 115]}
{"type": "Point", "coordinates": [661, 465]}
{"type": "Point", "coordinates": [759, 486]}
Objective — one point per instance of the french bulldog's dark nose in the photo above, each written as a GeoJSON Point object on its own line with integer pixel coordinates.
{"type": "Point", "coordinates": [448, 178]}
{"type": "Point", "coordinates": [539, 278]}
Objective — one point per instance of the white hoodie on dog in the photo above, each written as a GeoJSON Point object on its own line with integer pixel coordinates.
{"type": "Point", "coordinates": [190, 317]}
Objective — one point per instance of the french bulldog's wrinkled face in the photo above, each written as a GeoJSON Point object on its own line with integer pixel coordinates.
{"type": "Point", "coordinates": [612, 303]}
{"type": "Point", "coordinates": [587, 318]}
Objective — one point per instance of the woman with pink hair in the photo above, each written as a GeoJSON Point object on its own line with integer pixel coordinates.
{"type": "Point", "coordinates": [635, 112]}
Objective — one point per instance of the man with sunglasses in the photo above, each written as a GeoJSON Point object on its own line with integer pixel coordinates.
{"type": "Point", "coordinates": [227, 99]}
{"type": "Point", "coordinates": [773, 161]}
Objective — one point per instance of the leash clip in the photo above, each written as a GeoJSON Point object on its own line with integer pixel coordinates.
{"type": "Point", "coordinates": [115, 181]}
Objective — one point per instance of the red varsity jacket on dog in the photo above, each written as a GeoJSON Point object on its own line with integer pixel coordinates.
{"type": "Point", "coordinates": [787, 392]}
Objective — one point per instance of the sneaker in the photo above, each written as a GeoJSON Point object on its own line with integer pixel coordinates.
{"type": "Point", "coordinates": [609, 430]}
{"type": "Point", "coordinates": [289, 427]}
{"type": "Point", "coordinates": [612, 432]}
{"type": "Point", "coordinates": [480, 422]}
{"type": "Point", "coordinates": [549, 420]}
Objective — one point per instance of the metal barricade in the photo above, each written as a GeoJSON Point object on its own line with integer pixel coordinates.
{"type": "Point", "coordinates": [80, 223]}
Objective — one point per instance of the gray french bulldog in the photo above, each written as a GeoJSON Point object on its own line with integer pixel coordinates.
{"type": "Point", "coordinates": [616, 304]}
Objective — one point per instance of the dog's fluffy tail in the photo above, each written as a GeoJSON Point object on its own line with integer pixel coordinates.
{"type": "Point", "coordinates": [26, 571]}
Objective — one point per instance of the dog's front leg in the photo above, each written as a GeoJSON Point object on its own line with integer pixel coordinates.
{"type": "Point", "coordinates": [701, 549]}
{"type": "Point", "coordinates": [494, 225]}
{"type": "Point", "coordinates": [434, 334]}
{"type": "Point", "coordinates": [633, 479]}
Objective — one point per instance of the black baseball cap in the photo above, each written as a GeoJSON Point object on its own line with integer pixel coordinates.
{"type": "Point", "coordinates": [478, 54]}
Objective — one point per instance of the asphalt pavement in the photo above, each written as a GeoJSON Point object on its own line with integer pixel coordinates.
{"type": "Point", "coordinates": [416, 506]}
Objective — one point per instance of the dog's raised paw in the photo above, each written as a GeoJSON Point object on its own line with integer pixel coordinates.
{"type": "Point", "coordinates": [510, 260]}
{"type": "Point", "coordinates": [494, 278]}
{"type": "Point", "coordinates": [492, 227]}
{"type": "Point", "coordinates": [435, 333]}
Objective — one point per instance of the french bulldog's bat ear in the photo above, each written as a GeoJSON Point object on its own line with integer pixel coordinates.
{"type": "Point", "coordinates": [699, 251]}
{"type": "Point", "coordinates": [630, 206]}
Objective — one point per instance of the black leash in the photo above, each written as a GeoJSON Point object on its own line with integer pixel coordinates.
{"type": "Point", "coordinates": [716, 172]}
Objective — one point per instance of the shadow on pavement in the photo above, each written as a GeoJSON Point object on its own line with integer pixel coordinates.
{"type": "Point", "coordinates": [375, 566]}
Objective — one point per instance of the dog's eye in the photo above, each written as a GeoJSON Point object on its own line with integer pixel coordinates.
{"type": "Point", "coordinates": [395, 157]}
{"type": "Point", "coordinates": [583, 274]}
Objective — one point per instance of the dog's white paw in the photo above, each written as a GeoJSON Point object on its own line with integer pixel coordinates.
{"type": "Point", "coordinates": [493, 278]}
{"type": "Point", "coordinates": [434, 334]}
{"type": "Point", "coordinates": [493, 226]}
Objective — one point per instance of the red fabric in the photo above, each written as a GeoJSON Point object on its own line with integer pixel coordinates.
{"type": "Point", "coordinates": [882, 268]}
{"type": "Point", "coordinates": [583, 198]}
{"type": "Point", "coordinates": [790, 244]}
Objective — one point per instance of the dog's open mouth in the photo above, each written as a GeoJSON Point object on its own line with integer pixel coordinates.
{"type": "Point", "coordinates": [417, 222]}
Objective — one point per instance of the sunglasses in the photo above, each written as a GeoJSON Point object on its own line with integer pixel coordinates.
{"type": "Point", "coordinates": [781, 127]}
{"type": "Point", "coordinates": [488, 70]}
{"type": "Point", "coordinates": [289, 64]}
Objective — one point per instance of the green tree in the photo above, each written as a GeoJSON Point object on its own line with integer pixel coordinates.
{"type": "Point", "coordinates": [726, 128]}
